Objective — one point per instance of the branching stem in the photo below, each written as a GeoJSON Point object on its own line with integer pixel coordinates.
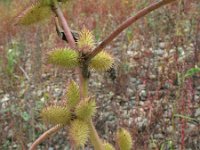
{"type": "Point", "coordinates": [126, 24]}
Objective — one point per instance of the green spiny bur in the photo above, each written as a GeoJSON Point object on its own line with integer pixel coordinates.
{"type": "Point", "coordinates": [56, 115]}
{"type": "Point", "coordinates": [79, 133]}
{"type": "Point", "coordinates": [64, 57]}
{"type": "Point", "coordinates": [73, 95]}
{"type": "Point", "coordinates": [124, 139]}
{"type": "Point", "coordinates": [33, 14]}
{"type": "Point", "coordinates": [101, 62]}
{"type": "Point", "coordinates": [86, 109]}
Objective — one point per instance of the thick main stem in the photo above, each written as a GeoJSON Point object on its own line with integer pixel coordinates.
{"type": "Point", "coordinates": [126, 24]}
{"type": "Point", "coordinates": [85, 88]}
{"type": "Point", "coordinates": [94, 137]}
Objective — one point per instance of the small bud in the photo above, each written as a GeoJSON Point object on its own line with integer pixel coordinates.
{"type": "Point", "coordinates": [73, 95]}
{"type": "Point", "coordinates": [86, 109]}
{"type": "Point", "coordinates": [56, 115]}
{"type": "Point", "coordinates": [101, 62]}
{"type": "Point", "coordinates": [124, 139]}
{"type": "Point", "coordinates": [79, 133]}
{"type": "Point", "coordinates": [64, 57]}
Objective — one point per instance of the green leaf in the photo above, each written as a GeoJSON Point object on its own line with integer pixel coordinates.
{"type": "Point", "coordinates": [25, 116]}
{"type": "Point", "coordinates": [192, 72]}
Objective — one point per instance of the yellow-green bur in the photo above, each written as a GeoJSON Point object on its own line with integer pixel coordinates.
{"type": "Point", "coordinates": [108, 146]}
{"type": "Point", "coordinates": [101, 62]}
{"type": "Point", "coordinates": [56, 115]}
{"type": "Point", "coordinates": [86, 39]}
{"type": "Point", "coordinates": [73, 95]}
{"type": "Point", "coordinates": [124, 139]}
{"type": "Point", "coordinates": [79, 133]}
{"type": "Point", "coordinates": [86, 109]}
{"type": "Point", "coordinates": [64, 57]}
{"type": "Point", "coordinates": [35, 13]}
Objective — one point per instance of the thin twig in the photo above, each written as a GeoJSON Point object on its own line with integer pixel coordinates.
{"type": "Point", "coordinates": [126, 24]}
{"type": "Point", "coordinates": [25, 73]}
{"type": "Point", "coordinates": [45, 135]}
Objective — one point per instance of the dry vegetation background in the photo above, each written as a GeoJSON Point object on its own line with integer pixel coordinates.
{"type": "Point", "coordinates": [146, 97]}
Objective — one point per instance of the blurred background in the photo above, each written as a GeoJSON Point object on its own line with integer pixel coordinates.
{"type": "Point", "coordinates": [144, 92]}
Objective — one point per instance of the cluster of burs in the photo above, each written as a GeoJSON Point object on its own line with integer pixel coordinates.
{"type": "Point", "coordinates": [76, 112]}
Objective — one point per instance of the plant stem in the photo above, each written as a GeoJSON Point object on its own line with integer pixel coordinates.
{"type": "Point", "coordinates": [85, 88]}
{"type": "Point", "coordinates": [71, 42]}
{"type": "Point", "coordinates": [94, 137]}
{"type": "Point", "coordinates": [65, 26]}
{"type": "Point", "coordinates": [126, 24]}
{"type": "Point", "coordinates": [44, 136]}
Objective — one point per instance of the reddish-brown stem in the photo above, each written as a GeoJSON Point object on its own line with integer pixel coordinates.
{"type": "Point", "coordinates": [65, 26]}
{"type": "Point", "coordinates": [126, 24]}
{"type": "Point", "coordinates": [45, 135]}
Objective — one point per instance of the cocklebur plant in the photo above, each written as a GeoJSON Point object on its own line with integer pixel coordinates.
{"type": "Point", "coordinates": [82, 55]}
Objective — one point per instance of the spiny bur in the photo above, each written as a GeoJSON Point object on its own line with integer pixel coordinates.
{"type": "Point", "coordinates": [35, 13]}
{"type": "Point", "coordinates": [108, 146]}
{"type": "Point", "coordinates": [86, 109]}
{"type": "Point", "coordinates": [73, 95]}
{"type": "Point", "coordinates": [102, 62]}
{"type": "Point", "coordinates": [79, 133]}
{"type": "Point", "coordinates": [56, 115]}
{"type": "Point", "coordinates": [124, 139]}
{"type": "Point", "coordinates": [86, 40]}
{"type": "Point", "coordinates": [64, 57]}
